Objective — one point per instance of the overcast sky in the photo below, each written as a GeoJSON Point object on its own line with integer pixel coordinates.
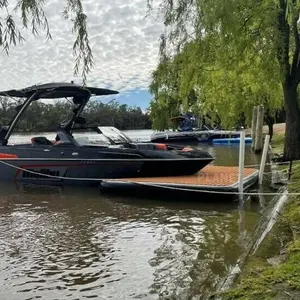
{"type": "Point", "coordinates": [124, 42]}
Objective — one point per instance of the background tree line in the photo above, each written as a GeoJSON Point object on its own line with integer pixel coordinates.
{"type": "Point", "coordinates": [42, 116]}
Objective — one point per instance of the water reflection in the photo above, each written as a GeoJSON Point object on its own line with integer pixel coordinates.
{"type": "Point", "coordinates": [70, 243]}
{"type": "Point", "coordinates": [65, 243]}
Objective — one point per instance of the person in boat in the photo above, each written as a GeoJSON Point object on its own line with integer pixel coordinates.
{"type": "Point", "coordinates": [57, 139]}
{"type": "Point", "coordinates": [186, 123]}
{"type": "Point", "coordinates": [60, 139]}
{"type": "Point", "coordinates": [41, 140]}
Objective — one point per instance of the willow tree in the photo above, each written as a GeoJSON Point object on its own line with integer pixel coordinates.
{"type": "Point", "coordinates": [165, 86]}
{"type": "Point", "coordinates": [206, 87]}
{"type": "Point", "coordinates": [229, 92]}
{"type": "Point", "coordinates": [34, 18]}
{"type": "Point", "coordinates": [232, 28]}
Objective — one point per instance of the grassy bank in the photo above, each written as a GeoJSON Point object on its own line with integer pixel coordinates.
{"type": "Point", "coordinates": [274, 271]}
{"type": "Point", "coordinates": [278, 142]}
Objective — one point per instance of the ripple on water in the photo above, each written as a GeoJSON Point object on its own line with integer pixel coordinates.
{"type": "Point", "coordinates": [108, 250]}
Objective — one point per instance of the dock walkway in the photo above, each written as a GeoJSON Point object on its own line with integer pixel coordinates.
{"type": "Point", "coordinates": [210, 178]}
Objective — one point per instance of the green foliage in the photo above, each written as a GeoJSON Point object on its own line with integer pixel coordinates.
{"type": "Point", "coordinates": [217, 90]}
{"type": "Point", "coordinates": [224, 56]}
{"type": "Point", "coordinates": [270, 283]}
{"type": "Point", "coordinates": [278, 142]}
{"type": "Point", "coordinates": [165, 86]}
{"type": "Point", "coordinates": [261, 281]}
{"type": "Point", "coordinates": [236, 54]}
{"type": "Point", "coordinates": [43, 117]}
{"type": "Point", "coordinates": [32, 15]}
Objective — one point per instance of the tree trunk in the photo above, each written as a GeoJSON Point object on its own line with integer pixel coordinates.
{"type": "Point", "coordinates": [271, 130]}
{"type": "Point", "coordinates": [270, 120]}
{"type": "Point", "coordinates": [292, 131]}
{"type": "Point", "coordinates": [259, 144]}
{"type": "Point", "coordinates": [253, 126]}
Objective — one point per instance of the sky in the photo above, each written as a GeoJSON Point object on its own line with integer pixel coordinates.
{"type": "Point", "coordinates": [124, 40]}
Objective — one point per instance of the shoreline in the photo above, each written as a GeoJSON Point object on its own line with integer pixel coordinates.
{"type": "Point", "coordinates": [273, 272]}
{"type": "Point", "coordinates": [278, 128]}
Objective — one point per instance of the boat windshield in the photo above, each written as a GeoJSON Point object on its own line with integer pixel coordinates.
{"type": "Point", "coordinates": [117, 136]}
{"type": "Point", "coordinates": [105, 136]}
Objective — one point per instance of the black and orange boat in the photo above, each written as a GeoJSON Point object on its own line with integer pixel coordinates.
{"type": "Point", "coordinates": [70, 159]}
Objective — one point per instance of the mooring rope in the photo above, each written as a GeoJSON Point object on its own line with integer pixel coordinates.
{"type": "Point", "coordinates": [147, 184]}
{"type": "Point", "coordinates": [273, 163]}
{"type": "Point", "coordinates": [210, 191]}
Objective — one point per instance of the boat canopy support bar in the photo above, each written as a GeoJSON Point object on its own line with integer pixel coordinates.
{"type": "Point", "coordinates": [15, 120]}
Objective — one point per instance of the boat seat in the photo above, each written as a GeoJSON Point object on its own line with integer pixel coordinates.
{"type": "Point", "coordinates": [61, 140]}
{"type": "Point", "coordinates": [40, 140]}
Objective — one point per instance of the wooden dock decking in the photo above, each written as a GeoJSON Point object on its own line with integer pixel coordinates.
{"type": "Point", "coordinates": [215, 178]}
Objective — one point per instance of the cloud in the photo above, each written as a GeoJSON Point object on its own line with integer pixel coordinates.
{"type": "Point", "coordinates": [124, 43]}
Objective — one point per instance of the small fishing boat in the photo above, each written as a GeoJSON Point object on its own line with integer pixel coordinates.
{"type": "Point", "coordinates": [73, 159]}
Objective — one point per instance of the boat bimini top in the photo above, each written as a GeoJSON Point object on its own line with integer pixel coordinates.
{"type": "Point", "coordinates": [80, 96]}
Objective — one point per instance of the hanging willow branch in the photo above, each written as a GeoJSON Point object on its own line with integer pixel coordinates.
{"type": "Point", "coordinates": [81, 47]}
{"type": "Point", "coordinates": [33, 16]}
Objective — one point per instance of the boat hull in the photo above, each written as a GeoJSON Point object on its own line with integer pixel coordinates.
{"type": "Point", "coordinates": [206, 136]}
{"type": "Point", "coordinates": [92, 171]}
{"type": "Point", "coordinates": [90, 164]}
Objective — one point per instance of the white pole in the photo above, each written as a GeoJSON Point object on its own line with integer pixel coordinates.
{"type": "Point", "coordinates": [241, 161]}
{"type": "Point", "coordinates": [259, 129]}
{"type": "Point", "coordinates": [253, 127]}
{"type": "Point", "coordinates": [263, 159]}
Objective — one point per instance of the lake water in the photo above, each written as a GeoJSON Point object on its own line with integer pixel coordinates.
{"type": "Point", "coordinates": [74, 243]}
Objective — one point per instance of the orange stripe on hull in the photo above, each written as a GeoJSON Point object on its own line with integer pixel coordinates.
{"type": "Point", "coordinates": [6, 155]}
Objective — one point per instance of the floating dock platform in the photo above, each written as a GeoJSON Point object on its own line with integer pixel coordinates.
{"type": "Point", "coordinates": [211, 178]}
{"type": "Point", "coordinates": [248, 140]}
